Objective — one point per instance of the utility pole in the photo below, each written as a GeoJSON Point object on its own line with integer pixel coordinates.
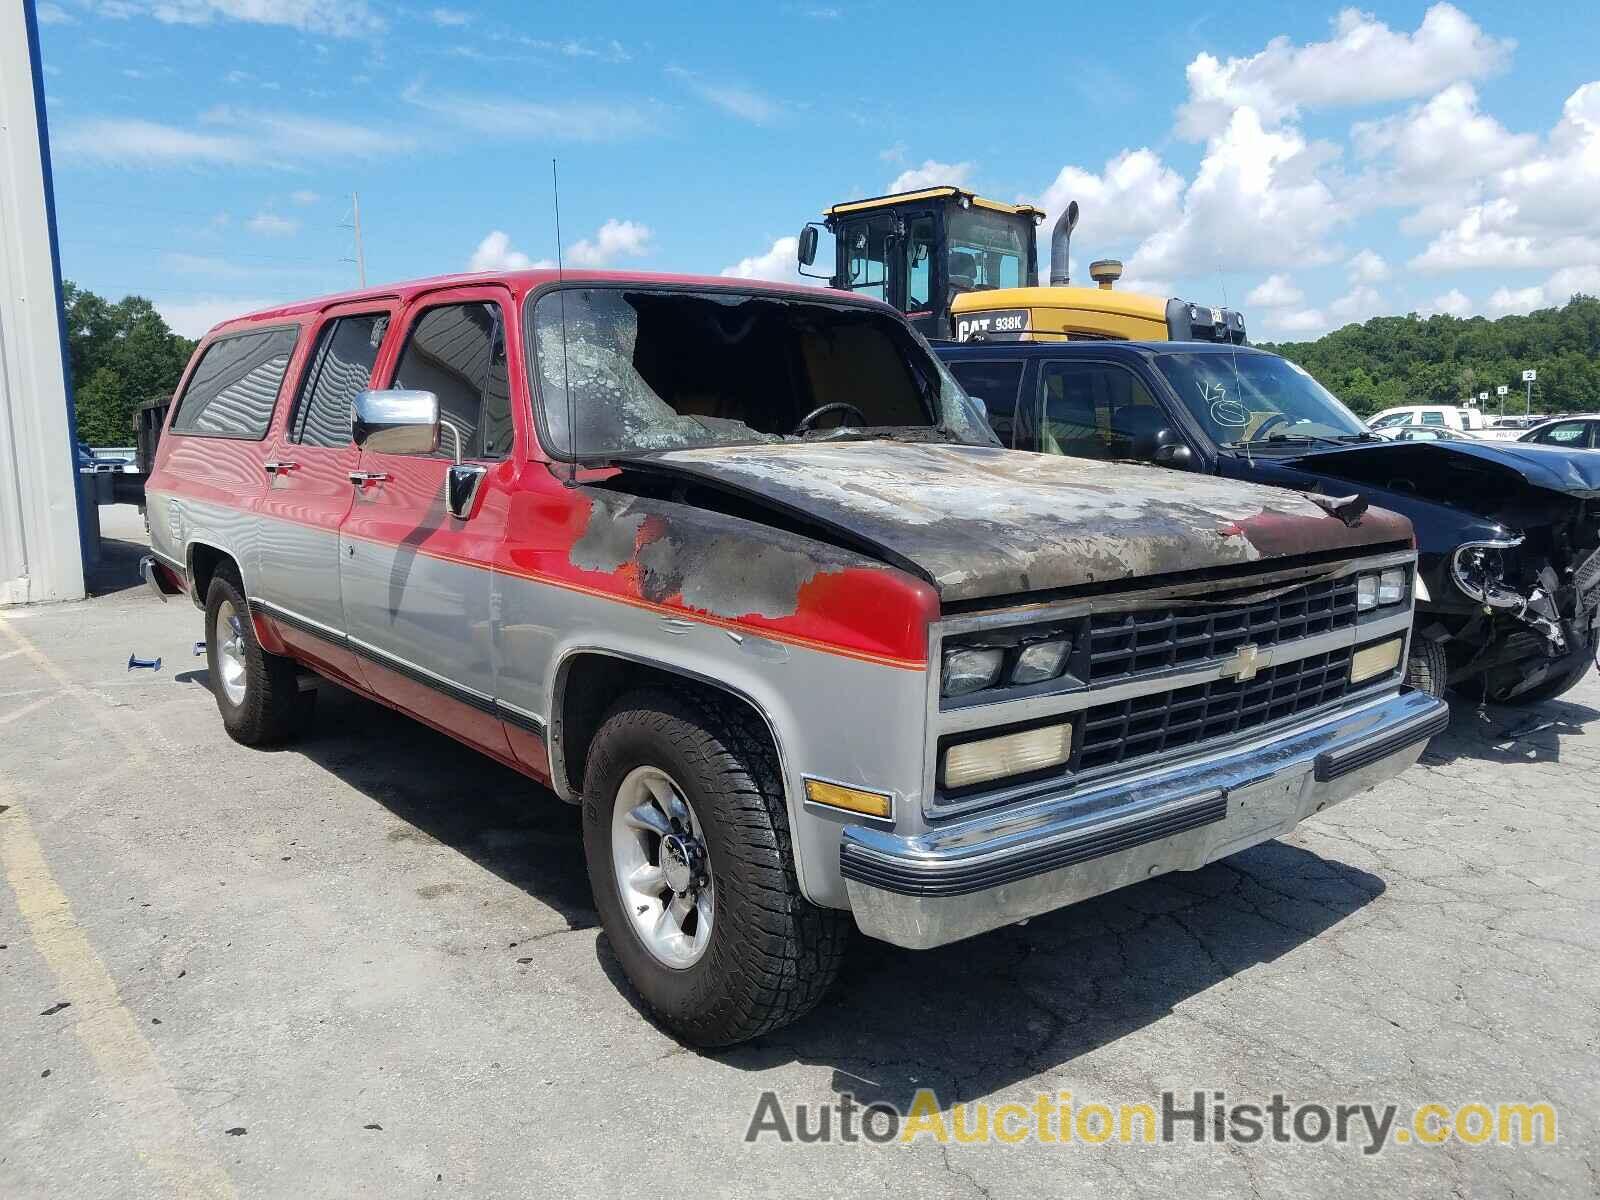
{"type": "Point", "coordinates": [361, 254]}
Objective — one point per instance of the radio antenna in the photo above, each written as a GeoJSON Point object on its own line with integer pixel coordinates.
{"type": "Point", "coordinates": [561, 295]}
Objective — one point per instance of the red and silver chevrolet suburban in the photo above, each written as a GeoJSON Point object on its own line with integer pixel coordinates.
{"type": "Point", "coordinates": [741, 570]}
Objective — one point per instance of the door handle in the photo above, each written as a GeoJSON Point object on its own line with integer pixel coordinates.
{"type": "Point", "coordinates": [279, 468]}
{"type": "Point", "coordinates": [362, 478]}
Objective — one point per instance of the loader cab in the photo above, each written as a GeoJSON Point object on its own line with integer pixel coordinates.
{"type": "Point", "coordinates": [918, 251]}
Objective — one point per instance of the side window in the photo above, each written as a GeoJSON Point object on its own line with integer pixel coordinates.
{"type": "Point", "coordinates": [1095, 410]}
{"type": "Point", "coordinates": [458, 352]}
{"type": "Point", "coordinates": [919, 264]}
{"type": "Point", "coordinates": [235, 385]}
{"type": "Point", "coordinates": [1433, 418]}
{"type": "Point", "coordinates": [996, 384]}
{"type": "Point", "coordinates": [1568, 433]}
{"type": "Point", "coordinates": [866, 257]}
{"type": "Point", "coordinates": [340, 368]}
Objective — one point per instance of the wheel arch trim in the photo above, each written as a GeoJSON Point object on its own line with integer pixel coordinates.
{"type": "Point", "coordinates": [555, 741]}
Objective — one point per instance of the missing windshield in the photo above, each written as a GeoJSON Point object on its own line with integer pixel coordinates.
{"type": "Point", "coordinates": [651, 370]}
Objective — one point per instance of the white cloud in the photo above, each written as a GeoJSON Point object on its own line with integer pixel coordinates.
{"type": "Point", "coordinates": [292, 135]}
{"type": "Point", "coordinates": [1516, 300]}
{"type": "Point", "coordinates": [450, 18]}
{"type": "Point", "coordinates": [54, 14]}
{"type": "Point", "coordinates": [1367, 266]}
{"type": "Point", "coordinates": [1439, 144]}
{"type": "Point", "coordinates": [270, 224]}
{"type": "Point", "coordinates": [304, 197]}
{"type": "Point", "coordinates": [1358, 304]}
{"type": "Point", "coordinates": [578, 121]}
{"type": "Point", "coordinates": [737, 100]}
{"type": "Point", "coordinates": [1134, 196]}
{"type": "Point", "coordinates": [191, 318]}
{"type": "Point", "coordinates": [1552, 293]}
{"type": "Point", "coordinates": [1306, 320]}
{"type": "Point", "coordinates": [1453, 303]}
{"type": "Point", "coordinates": [135, 142]}
{"type": "Point", "coordinates": [778, 263]}
{"type": "Point", "coordinates": [1275, 291]}
{"type": "Point", "coordinates": [494, 253]}
{"type": "Point", "coordinates": [341, 18]}
{"type": "Point", "coordinates": [931, 174]}
{"type": "Point", "coordinates": [612, 51]}
{"type": "Point", "coordinates": [233, 137]}
{"type": "Point", "coordinates": [615, 239]}
{"type": "Point", "coordinates": [1539, 212]}
{"type": "Point", "coordinates": [1256, 201]}
{"type": "Point", "coordinates": [1363, 63]}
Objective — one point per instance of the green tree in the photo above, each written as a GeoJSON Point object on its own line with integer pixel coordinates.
{"type": "Point", "coordinates": [103, 409]}
{"type": "Point", "coordinates": [1390, 361]}
{"type": "Point", "coordinates": [121, 354]}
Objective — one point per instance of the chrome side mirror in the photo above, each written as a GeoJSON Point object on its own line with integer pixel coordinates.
{"type": "Point", "coordinates": [396, 421]}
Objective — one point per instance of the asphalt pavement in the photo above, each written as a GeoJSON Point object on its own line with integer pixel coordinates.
{"type": "Point", "coordinates": [369, 964]}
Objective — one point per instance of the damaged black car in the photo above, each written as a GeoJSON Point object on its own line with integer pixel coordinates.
{"type": "Point", "coordinates": [1508, 534]}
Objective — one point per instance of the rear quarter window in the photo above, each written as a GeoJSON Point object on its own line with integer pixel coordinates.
{"type": "Point", "coordinates": [234, 386]}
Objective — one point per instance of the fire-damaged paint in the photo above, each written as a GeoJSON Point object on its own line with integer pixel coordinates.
{"type": "Point", "coordinates": [978, 522]}
{"type": "Point", "coordinates": [810, 583]}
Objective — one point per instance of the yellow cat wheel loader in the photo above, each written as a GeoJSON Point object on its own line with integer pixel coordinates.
{"type": "Point", "coordinates": [963, 267]}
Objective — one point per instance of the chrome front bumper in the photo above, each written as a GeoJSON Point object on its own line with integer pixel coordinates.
{"type": "Point", "coordinates": [993, 870]}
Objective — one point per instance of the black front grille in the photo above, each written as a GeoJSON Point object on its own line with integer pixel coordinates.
{"type": "Point", "coordinates": [1165, 721]}
{"type": "Point", "coordinates": [1130, 643]}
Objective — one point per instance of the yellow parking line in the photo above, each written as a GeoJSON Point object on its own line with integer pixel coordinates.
{"type": "Point", "coordinates": [159, 1125]}
{"type": "Point", "coordinates": [135, 748]}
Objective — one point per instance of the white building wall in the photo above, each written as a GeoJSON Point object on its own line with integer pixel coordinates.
{"type": "Point", "coordinates": [41, 556]}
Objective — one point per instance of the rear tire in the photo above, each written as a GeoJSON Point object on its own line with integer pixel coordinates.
{"type": "Point", "coordinates": [258, 694]}
{"type": "Point", "coordinates": [1426, 669]}
{"type": "Point", "coordinates": [767, 954]}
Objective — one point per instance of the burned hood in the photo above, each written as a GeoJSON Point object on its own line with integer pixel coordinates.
{"type": "Point", "coordinates": [978, 521]}
{"type": "Point", "coordinates": [1455, 471]}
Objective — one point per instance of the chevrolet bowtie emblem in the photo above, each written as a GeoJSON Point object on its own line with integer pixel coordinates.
{"type": "Point", "coordinates": [1244, 664]}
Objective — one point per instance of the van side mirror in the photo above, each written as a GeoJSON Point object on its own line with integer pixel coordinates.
{"type": "Point", "coordinates": [806, 251]}
{"type": "Point", "coordinates": [396, 421]}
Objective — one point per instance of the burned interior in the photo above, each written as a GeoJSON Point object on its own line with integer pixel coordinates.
{"type": "Point", "coordinates": [639, 370]}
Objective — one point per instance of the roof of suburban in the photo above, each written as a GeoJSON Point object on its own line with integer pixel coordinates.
{"type": "Point", "coordinates": [522, 282]}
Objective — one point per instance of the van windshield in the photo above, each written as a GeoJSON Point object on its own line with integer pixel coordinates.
{"type": "Point", "coordinates": [1256, 398]}
{"type": "Point", "coordinates": [625, 371]}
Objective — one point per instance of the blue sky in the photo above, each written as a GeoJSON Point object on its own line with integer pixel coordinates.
{"type": "Point", "coordinates": [1311, 164]}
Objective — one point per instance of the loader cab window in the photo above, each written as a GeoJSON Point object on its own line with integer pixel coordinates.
{"type": "Point", "coordinates": [919, 264]}
{"type": "Point", "coordinates": [868, 244]}
{"type": "Point", "coordinates": [987, 250]}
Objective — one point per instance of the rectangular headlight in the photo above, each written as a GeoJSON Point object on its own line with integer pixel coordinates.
{"type": "Point", "coordinates": [1371, 661]}
{"type": "Point", "coordinates": [1366, 593]}
{"type": "Point", "coordinates": [1392, 586]}
{"type": "Point", "coordinates": [1009, 754]}
{"type": "Point", "coordinates": [970, 670]}
{"type": "Point", "coordinates": [1041, 661]}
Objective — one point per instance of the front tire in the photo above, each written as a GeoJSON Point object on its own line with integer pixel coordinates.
{"type": "Point", "coordinates": [1426, 669]}
{"type": "Point", "coordinates": [687, 841]}
{"type": "Point", "coordinates": [1546, 689]}
{"type": "Point", "coordinates": [258, 694]}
